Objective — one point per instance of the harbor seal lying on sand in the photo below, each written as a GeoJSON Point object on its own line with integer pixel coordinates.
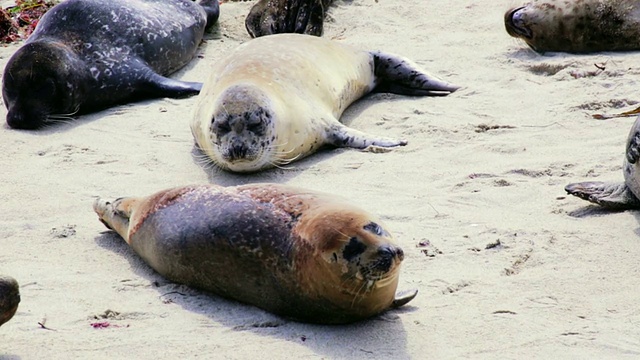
{"type": "Point", "coordinates": [577, 26]}
{"type": "Point", "coordinates": [620, 196]}
{"type": "Point", "coordinates": [278, 98]}
{"type": "Point", "coordinates": [9, 298]}
{"type": "Point", "coordinates": [300, 254]}
{"type": "Point", "coordinates": [86, 55]}
{"type": "Point", "coordinates": [269, 17]}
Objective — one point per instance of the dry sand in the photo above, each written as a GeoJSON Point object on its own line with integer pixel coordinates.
{"type": "Point", "coordinates": [562, 282]}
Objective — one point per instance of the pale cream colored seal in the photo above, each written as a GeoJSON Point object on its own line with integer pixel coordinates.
{"type": "Point", "coordinates": [279, 98]}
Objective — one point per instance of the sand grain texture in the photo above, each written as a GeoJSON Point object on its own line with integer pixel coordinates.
{"type": "Point", "coordinates": [512, 268]}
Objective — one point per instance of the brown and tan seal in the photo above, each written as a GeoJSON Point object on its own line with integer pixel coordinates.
{"type": "Point", "coordinates": [300, 254]}
{"type": "Point", "coordinates": [279, 98]}
{"type": "Point", "coordinates": [577, 26]}
{"type": "Point", "coordinates": [9, 298]}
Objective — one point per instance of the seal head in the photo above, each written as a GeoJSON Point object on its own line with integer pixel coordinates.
{"type": "Point", "coordinates": [9, 298]}
{"type": "Point", "coordinates": [54, 89]}
{"type": "Point", "coordinates": [576, 26]}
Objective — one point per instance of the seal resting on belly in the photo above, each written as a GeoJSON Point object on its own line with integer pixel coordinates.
{"type": "Point", "coordinates": [86, 55]}
{"type": "Point", "coordinates": [300, 254]}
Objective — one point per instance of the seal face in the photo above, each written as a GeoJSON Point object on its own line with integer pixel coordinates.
{"type": "Point", "coordinates": [619, 196]}
{"type": "Point", "coordinates": [278, 98]}
{"type": "Point", "coordinates": [9, 298]}
{"type": "Point", "coordinates": [576, 26]}
{"type": "Point", "coordinates": [269, 17]}
{"type": "Point", "coordinates": [86, 55]}
{"type": "Point", "coordinates": [299, 254]}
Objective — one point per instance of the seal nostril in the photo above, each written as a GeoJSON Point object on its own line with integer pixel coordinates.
{"type": "Point", "coordinates": [400, 254]}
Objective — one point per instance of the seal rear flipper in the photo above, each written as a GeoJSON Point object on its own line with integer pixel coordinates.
{"type": "Point", "coordinates": [342, 136]}
{"type": "Point", "coordinates": [403, 297]}
{"type": "Point", "coordinates": [157, 86]}
{"type": "Point", "coordinates": [212, 9]}
{"type": "Point", "coordinates": [616, 196]}
{"type": "Point", "coordinates": [114, 215]}
{"type": "Point", "coordinates": [286, 16]}
{"type": "Point", "coordinates": [398, 75]}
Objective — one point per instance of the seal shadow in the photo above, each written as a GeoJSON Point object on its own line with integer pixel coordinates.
{"type": "Point", "coordinates": [235, 316]}
{"type": "Point", "coordinates": [592, 211]}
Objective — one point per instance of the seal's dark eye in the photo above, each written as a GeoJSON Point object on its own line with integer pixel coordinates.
{"type": "Point", "coordinates": [256, 128]}
{"type": "Point", "coordinates": [221, 127]}
{"type": "Point", "coordinates": [354, 248]}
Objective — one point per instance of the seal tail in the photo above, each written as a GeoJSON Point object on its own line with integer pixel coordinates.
{"type": "Point", "coordinates": [115, 215]}
{"type": "Point", "coordinates": [398, 75]}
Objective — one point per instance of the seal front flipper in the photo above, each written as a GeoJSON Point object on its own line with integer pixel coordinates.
{"type": "Point", "coordinates": [397, 75]}
{"type": "Point", "coordinates": [160, 86]}
{"type": "Point", "coordinates": [342, 136]}
{"type": "Point", "coordinates": [286, 16]}
{"type": "Point", "coordinates": [615, 196]}
{"type": "Point", "coordinates": [403, 297]}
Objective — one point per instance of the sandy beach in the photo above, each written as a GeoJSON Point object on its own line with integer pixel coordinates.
{"type": "Point", "coordinates": [507, 265]}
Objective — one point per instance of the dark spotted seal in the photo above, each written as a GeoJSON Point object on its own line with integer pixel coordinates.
{"type": "Point", "coordinates": [577, 26]}
{"type": "Point", "coordinates": [269, 17]}
{"type": "Point", "coordinates": [86, 55]}
{"type": "Point", "coordinates": [9, 298]}
{"type": "Point", "coordinates": [300, 254]}
{"type": "Point", "coordinates": [278, 98]}
{"type": "Point", "coordinates": [620, 196]}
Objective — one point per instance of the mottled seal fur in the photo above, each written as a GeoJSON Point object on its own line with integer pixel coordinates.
{"type": "Point", "coordinates": [269, 17]}
{"type": "Point", "coordinates": [577, 26]}
{"type": "Point", "coordinates": [86, 55]}
{"type": "Point", "coordinates": [9, 298]}
{"type": "Point", "coordinates": [613, 195]}
{"type": "Point", "coordinates": [300, 254]}
{"type": "Point", "coordinates": [278, 98]}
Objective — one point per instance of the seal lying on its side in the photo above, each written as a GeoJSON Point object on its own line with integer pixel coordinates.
{"type": "Point", "coordinates": [86, 55]}
{"type": "Point", "coordinates": [577, 26]}
{"type": "Point", "coordinates": [620, 196]}
{"type": "Point", "coordinates": [297, 253]}
{"type": "Point", "coordinates": [278, 98]}
{"type": "Point", "coordinates": [269, 17]}
{"type": "Point", "coordinates": [9, 298]}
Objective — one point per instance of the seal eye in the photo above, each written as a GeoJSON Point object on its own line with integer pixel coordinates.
{"type": "Point", "coordinates": [353, 249]}
{"type": "Point", "coordinates": [221, 127]}
{"type": "Point", "coordinates": [256, 128]}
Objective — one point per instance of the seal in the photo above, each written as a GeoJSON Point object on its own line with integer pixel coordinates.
{"type": "Point", "coordinates": [9, 298]}
{"type": "Point", "coordinates": [300, 254]}
{"type": "Point", "coordinates": [269, 17]}
{"type": "Point", "coordinates": [618, 196]}
{"type": "Point", "coordinates": [576, 26]}
{"type": "Point", "coordinates": [86, 55]}
{"type": "Point", "coordinates": [278, 98]}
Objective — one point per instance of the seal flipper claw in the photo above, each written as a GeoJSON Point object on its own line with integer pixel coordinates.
{"type": "Point", "coordinates": [615, 196]}
{"type": "Point", "coordinates": [398, 75]}
{"type": "Point", "coordinates": [342, 136]}
{"type": "Point", "coordinates": [403, 297]}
